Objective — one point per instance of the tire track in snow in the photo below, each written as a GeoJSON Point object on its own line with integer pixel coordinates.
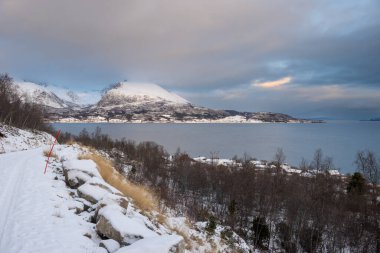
{"type": "Point", "coordinates": [9, 192]}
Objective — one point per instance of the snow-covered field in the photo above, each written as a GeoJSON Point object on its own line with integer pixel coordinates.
{"type": "Point", "coordinates": [72, 209]}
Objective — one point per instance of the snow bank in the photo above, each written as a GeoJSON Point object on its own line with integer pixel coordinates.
{"type": "Point", "coordinates": [86, 166]}
{"type": "Point", "coordinates": [162, 244]}
{"type": "Point", "coordinates": [16, 139]}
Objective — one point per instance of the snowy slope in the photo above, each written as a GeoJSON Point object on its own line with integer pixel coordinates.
{"type": "Point", "coordinates": [76, 97]}
{"type": "Point", "coordinates": [38, 94]}
{"type": "Point", "coordinates": [46, 213]}
{"type": "Point", "coordinates": [139, 93]}
{"type": "Point", "coordinates": [15, 139]}
{"type": "Point", "coordinates": [34, 213]}
{"type": "Point", "coordinates": [54, 96]}
{"type": "Point", "coordinates": [39, 213]}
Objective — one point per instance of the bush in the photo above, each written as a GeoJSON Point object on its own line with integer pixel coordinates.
{"type": "Point", "coordinates": [357, 184]}
{"type": "Point", "coordinates": [211, 225]}
{"type": "Point", "coordinates": [260, 231]}
{"type": "Point", "coordinates": [310, 239]}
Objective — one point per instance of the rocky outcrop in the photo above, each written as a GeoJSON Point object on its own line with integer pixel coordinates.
{"type": "Point", "coordinates": [109, 211]}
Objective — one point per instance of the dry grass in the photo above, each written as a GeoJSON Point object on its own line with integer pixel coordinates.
{"type": "Point", "coordinates": [71, 142]}
{"type": "Point", "coordinates": [143, 198]}
{"type": "Point", "coordinates": [161, 218]}
{"type": "Point", "coordinates": [185, 237]}
{"type": "Point", "coordinates": [47, 151]}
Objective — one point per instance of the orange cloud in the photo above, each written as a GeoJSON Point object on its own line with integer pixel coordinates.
{"type": "Point", "coordinates": [274, 84]}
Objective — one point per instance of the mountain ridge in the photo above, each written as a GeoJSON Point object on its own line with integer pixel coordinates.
{"type": "Point", "coordinates": [139, 103]}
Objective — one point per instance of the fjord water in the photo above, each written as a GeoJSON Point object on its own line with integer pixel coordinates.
{"type": "Point", "coordinates": [339, 139]}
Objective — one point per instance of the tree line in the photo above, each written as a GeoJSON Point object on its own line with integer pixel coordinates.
{"type": "Point", "coordinates": [268, 208]}
{"type": "Point", "coordinates": [18, 113]}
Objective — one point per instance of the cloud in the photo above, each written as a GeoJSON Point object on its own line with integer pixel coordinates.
{"type": "Point", "coordinates": [197, 46]}
{"type": "Point", "coordinates": [339, 92]}
{"type": "Point", "coordinates": [273, 84]}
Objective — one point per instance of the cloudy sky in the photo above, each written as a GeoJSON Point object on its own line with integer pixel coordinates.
{"type": "Point", "coordinates": [305, 58]}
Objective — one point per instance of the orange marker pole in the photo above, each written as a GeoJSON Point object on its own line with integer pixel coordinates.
{"type": "Point", "coordinates": [51, 150]}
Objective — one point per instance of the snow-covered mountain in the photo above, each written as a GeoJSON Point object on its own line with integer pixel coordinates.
{"type": "Point", "coordinates": [131, 93]}
{"type": "Point", "coordinates": [133, 102]}
{"type": "Point", "coordinates": [35, 93]}
{"type": "Point", "coordinates": [55, 97]}
{"type": "Point", "coordinates": [78, 97]}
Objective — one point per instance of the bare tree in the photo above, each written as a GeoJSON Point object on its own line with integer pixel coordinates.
{"type": "Point", "coordinates": [279, 158]}
{"type": "Point", "coordinates": [367, 164]}
{"type": "Point", "coordinates": [317, 161]}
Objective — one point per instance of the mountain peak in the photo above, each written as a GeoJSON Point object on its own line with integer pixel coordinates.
{"type": "Point", "coordinates": [138, 93]}
{"type": "Point", "coordinates": [38, 94]}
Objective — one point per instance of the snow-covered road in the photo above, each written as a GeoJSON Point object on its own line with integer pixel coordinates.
{"type": "Point", "coordinates": [32, 217]}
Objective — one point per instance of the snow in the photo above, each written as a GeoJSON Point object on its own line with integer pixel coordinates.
{"type": "Point", "coordinates": [143, 91]}
{"type": "Point", "coordinates": [55, 97]}
{"type": "Point", "coordinates": [34, 208]}
{"type": "Point", "coordinates": [39, 213]}
{"type": "Point", "coordinates": [110, 245]}
{"type": "Point", "coordinates": [216, 161]}
{"type": "Point", "coordinates": [95, 192]}
{"type": "Point", "coordinates": [130, 227]}
{"type": "Point", "coordinates": [289, 169]}
{"type": "Point", "coordinates": [38, 94]}
{"type": "Point", "coordinates": [152, 245]}
{"type": "Point", "coordinates": [82, 98]}
{"type": "Point", "coordinates": [17, 139]}
{"type": "Point", "coordinates": [87, 166]}
{"type": "Point", "coordinates": [334, 172]}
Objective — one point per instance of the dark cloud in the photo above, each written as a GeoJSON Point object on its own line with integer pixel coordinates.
{"type": "Point", "coordinates": [217, 46]}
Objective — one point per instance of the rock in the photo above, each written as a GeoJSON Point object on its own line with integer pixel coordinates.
{"type": "Point", "coordinates": [157, 244]}
{"type": "Point", "coordinates": [86, 204]}
{"type": "Point", "coordinates": [110, 245]}
{"type": "Point", "coordinates": [92, 193]}
{"type": "Point", "coordinates": [75, 178]}
{"type": "Point", "coordinates": [112, 200]}
{"type": "Point", "coordinates": [105, 228]}
{"type": "Point", "coordinates": [114, 224]}
{"type": "Point", "coordinates": [123, 203]}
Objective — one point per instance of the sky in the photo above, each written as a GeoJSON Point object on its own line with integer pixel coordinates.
{"type": "Point", "coordinates": [317, 58]}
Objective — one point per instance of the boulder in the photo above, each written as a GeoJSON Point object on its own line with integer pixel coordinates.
{"type": "Point", "coordinates": [114, 224]}
{"type": "Point", "coordinates": [87, 166]}
{"type": "Point", "coordinates": [92, 193]}
{"type": "Point", "coordinates": [110, 245]}
{"type": "Point", "coordinates": [158, 244]}
{"type": "Point", "coordinates": [75, 178]}
{"type": "Point", "coordinates": [112, 200]}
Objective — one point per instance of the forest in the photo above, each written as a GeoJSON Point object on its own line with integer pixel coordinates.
{"type": "Point", "coordinates": [270, 209]}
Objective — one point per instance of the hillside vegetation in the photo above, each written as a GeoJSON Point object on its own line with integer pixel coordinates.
{"type": "Point", "coordinates": [270, 209]}
{"type": "Point", "coordinates": [15, 112]}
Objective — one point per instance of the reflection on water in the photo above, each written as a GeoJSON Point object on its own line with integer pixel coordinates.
{"type": "Point", "coordinates": [340, 140]}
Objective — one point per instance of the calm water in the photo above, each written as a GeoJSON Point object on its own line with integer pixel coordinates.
{"type": "Point", "coordinates": [340, 140]}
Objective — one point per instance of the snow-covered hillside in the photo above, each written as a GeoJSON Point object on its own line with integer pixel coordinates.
{"type": "Point", "coordinates": [126, 93]}
{"type": "Point", "coordinates": [55, 97]}
{"type": "Point", "coordinates": [81, 98]}
{"type": "Point", "coordinates": [34, 93]}
{"type": "Point", "coordinates": [14, 139]}
{"type": "Point", "coordinates": [72, 208]}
